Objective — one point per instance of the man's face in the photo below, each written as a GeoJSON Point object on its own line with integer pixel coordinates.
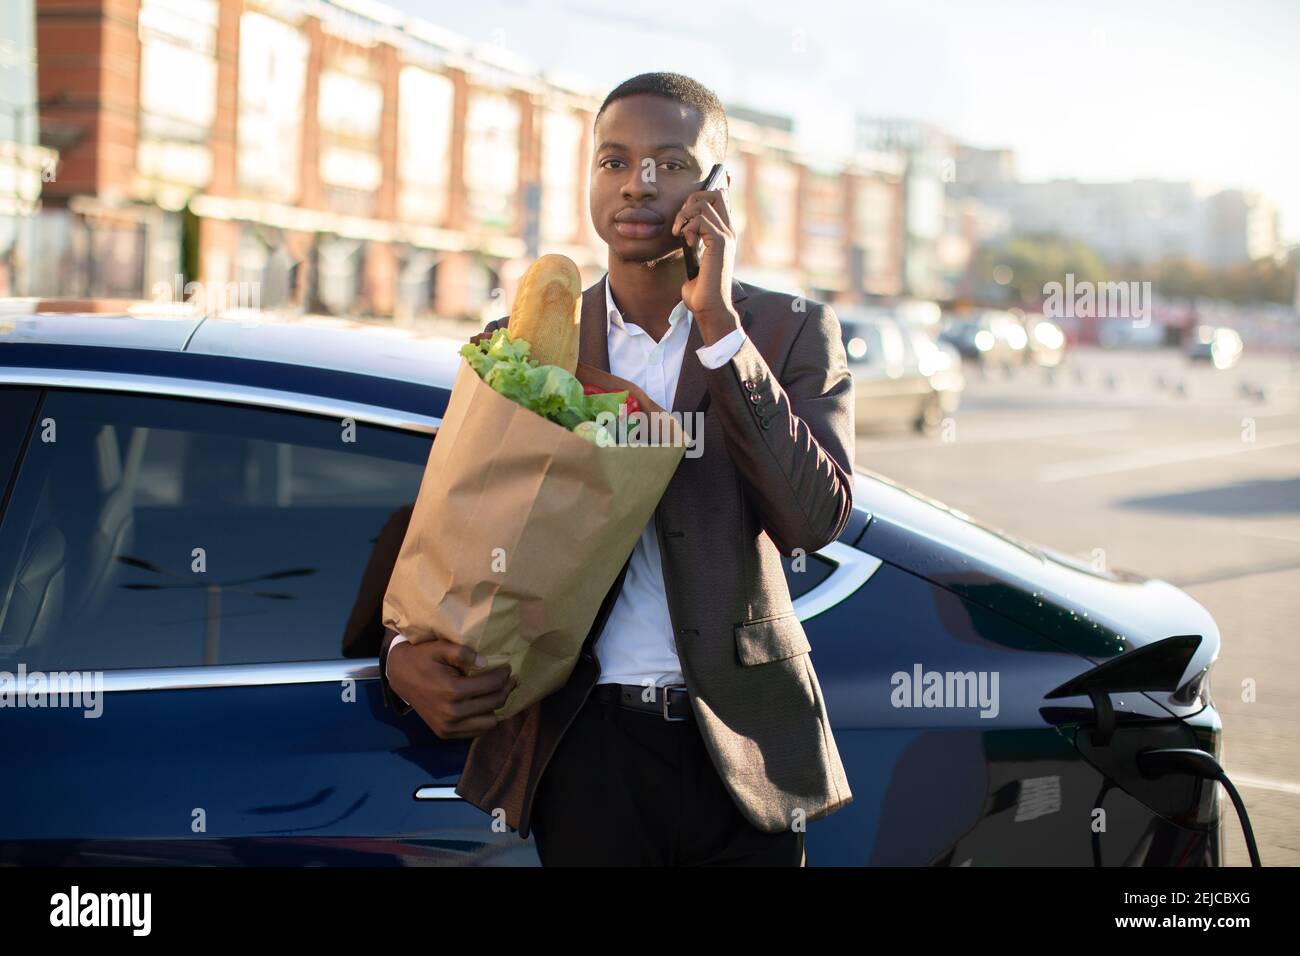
{"type": "Point", "coordinates": [649, 157]}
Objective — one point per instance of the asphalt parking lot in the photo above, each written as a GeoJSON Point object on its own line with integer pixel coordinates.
{"type": "Point", "coordinates": [1181, 472]}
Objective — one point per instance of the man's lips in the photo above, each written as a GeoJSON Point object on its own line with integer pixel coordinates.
{"type": "Point", "coordinates": [638, 230]}
{"type": "Point", "coordinates": [638, 223]}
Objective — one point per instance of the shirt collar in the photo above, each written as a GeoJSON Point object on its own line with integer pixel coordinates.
{"type": "Point", "coordinates": [614, 317]}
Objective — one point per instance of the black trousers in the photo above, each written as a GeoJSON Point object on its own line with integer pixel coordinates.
{"type": "Point", "coordinates": [626, 788]}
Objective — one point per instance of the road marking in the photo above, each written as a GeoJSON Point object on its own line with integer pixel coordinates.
{"type": "Point", "coordinates": [1271, 535]}
{"type": "Point", "coordinates": [1153, 457]}
{"type": "Point", "coordinates": [1263, 783]}
{"type": "Point", "coordinates": [988, 431]}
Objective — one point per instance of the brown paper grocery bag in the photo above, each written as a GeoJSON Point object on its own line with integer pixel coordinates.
{"type": "Point", "coordinates": [520, 528]}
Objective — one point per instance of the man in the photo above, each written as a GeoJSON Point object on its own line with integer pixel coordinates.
{"type": "Point", "coordinates": [692, 729]}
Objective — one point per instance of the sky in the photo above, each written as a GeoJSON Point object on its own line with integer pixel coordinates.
{"type": "Point", "coordinates": [1106, 90]}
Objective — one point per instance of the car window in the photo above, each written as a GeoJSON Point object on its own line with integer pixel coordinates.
{"type": "Point", "coordinates": [163, 532]}
{"type": "Point", "coordinates": [907, 342]}
{"type": "Point", "coordinates": [891, 341]}
{"type": "Point", "coordinates": [848, 331]}
{"type": "Point", "coordinates": [862, 342]}
{"type": "Point", "coordinates": [16, 408]}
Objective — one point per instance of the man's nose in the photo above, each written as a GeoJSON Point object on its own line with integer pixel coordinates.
{"type": "Point", "coordinates": [639, 183]}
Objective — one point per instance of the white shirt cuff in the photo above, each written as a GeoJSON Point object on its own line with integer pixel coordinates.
{"type": "Point", "coordinates": [722, 351]}
{"type": "Point", "coordinates": [396, 640]}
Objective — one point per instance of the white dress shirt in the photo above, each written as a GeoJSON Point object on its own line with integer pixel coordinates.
{"type": "Point", "coordinates": [636, 645]}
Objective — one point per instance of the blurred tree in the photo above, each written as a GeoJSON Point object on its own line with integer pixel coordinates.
{"type": "Point", "coordinates": [1021, 266]}
{"type": "Point", "coordinates": [1034, 261]}
{"type": "Point", "coordinates": [1263, 280]}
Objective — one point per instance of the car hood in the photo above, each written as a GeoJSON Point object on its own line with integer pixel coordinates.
{"type": "Point", "coordinates": [1097, 614]}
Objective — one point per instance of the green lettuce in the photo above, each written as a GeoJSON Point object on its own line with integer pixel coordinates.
{"type": "Point", "coordinates": [505, 365]}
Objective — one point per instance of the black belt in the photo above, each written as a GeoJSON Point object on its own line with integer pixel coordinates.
{"type": "Point", "coordinates": [671, 701]}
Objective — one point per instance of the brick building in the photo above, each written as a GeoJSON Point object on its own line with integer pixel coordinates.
{"type": "Point", "coordinates": [339, 157]}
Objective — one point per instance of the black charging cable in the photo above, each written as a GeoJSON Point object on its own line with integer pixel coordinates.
{"type": "Point", "coordinates": [1198, 763]}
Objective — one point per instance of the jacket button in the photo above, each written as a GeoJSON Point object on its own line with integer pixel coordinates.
{"type": "Point", "coordinates": [766, 422]}
{"type": "Point", "coordinates": [754, 397]}
{"type": "Point", "coordinates": [750, 385]}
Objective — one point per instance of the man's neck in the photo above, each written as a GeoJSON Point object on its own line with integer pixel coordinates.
{"type": "Point", "coordinates": [647, 295]}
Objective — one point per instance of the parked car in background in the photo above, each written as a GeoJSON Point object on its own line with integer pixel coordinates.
{"type": "Point", "coordinates": [991, 338]}
{"type": "Point", "coordinates": [1046, 341]}
{"type": "Point", "coordinates": [920, 313]}
{"type": "Point", "coordinates": [902, 377]}
{"type": "Point", "coordinates": [942, 365]}
{"type": "Point", "coordinates": [1218, 345]}
{"type": "Point", "coordinates": [1120, 332]}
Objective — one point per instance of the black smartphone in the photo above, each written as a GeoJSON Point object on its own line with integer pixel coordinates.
{"type": "Point", "coordinates": [717, 176]}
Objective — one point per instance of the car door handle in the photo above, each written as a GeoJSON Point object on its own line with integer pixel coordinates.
{"type": "Point", "coordinates": [437, 793]}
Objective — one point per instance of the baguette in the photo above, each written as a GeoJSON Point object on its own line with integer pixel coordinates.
{"type": "Point", "coordinates": [547, 311]}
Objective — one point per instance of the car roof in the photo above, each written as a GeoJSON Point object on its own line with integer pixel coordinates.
{"type": "Point", "coordinates": [344, 345]}
{"type": "Point", "coordinates": [865, 313]}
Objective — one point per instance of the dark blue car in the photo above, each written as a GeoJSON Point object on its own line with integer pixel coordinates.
{"type": "Point", "coordinates": [197, 521]}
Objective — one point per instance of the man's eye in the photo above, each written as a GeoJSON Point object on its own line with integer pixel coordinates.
{"type": "Point", "coordinates": [605, 163]}
{"type": "Point", "coordinates": [675, 165]}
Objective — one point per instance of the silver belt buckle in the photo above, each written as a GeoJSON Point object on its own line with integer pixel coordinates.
{"type": "Point", "coordinates": [665, 701]}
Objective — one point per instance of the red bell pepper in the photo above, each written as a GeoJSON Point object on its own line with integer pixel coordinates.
{"type": "Point", "coordinates": [633, 406]}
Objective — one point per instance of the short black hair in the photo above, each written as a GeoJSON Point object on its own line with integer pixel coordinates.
{"type": "Point", "coordinates": [684, 90]}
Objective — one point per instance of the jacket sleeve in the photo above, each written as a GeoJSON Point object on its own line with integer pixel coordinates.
{"type": "Point", "coordinates": [792, 439]}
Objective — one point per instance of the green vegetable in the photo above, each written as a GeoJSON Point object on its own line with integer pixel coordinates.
{"type": "Point", "coordinates": [596, 434]}
{"type": "Point", "coordinates": [504, 363]}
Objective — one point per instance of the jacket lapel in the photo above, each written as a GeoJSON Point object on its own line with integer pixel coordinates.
{"type": "Point", "coordinates": [593, 335]}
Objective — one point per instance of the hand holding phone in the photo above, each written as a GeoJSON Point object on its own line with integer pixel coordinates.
{"type": "Point", "coordinates": [717, 176]}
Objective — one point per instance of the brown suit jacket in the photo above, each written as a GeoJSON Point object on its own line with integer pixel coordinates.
{"type": "Point", "coordinates": [774, 476]}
